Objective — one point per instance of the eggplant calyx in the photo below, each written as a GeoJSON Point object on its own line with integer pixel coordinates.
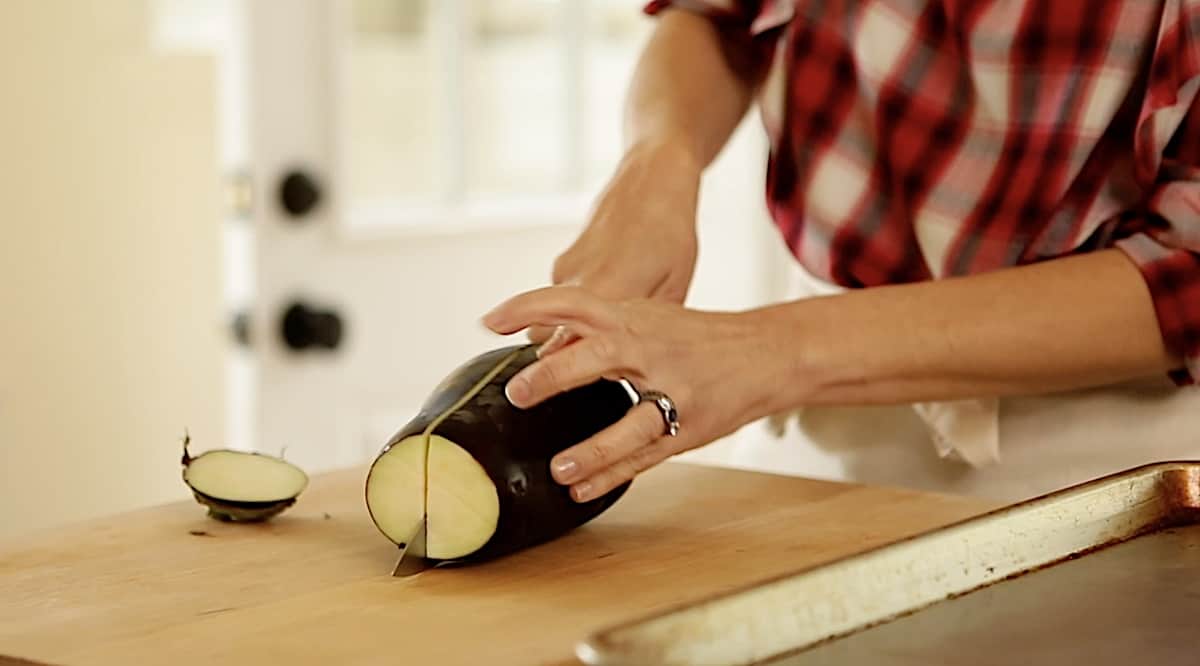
{"type": "Point", "coordinates": [187, 439]}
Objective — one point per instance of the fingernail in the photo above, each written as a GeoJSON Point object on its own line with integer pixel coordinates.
{"type": "Point", "coordinates": [563, 469]}
{"type": "Point", "coordinates": [517, 391]}
{"type": "Point", "coordinates": [583, 491]}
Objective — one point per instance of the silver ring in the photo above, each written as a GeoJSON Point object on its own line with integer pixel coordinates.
{"type": "Point", "coordinates": [667, 407]}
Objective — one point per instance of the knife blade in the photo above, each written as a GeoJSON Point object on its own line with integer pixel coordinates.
{"type": "Point", "coordinates": [410, 564]}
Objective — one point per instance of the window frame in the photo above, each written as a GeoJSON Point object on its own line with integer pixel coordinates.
{"type": "Point", "coordinates": [456, 211]}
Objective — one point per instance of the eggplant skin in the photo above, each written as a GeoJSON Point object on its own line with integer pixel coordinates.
{"type": "Point", "coordinates": [449, 391]}
{"type": "Point", "coordinates": [241, 512]}
{"type": "Point", "coordinates": [514, 446]}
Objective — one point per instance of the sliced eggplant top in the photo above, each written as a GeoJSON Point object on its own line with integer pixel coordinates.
{"type": "Point", "coordinates": [242, 476]}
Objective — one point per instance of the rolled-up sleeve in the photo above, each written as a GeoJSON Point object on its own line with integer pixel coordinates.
{"type": "Point", "coordinates": [1166, 245]}
{"type": "Point", "coordinates": [1174, 279]}
{"type": "Point", "coordinates": [1168, 256]}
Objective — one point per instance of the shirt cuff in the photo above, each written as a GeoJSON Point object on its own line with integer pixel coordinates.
{"type": "Point", "coordinates": [1173, 277]}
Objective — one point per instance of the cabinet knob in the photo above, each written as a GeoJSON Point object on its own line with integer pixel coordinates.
{"type": "Point", "coordinates": [304, 327]}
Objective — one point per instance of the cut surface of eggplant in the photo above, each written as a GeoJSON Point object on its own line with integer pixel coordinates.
{"type": "Point", "coordinates": [241, 476]}
{"type": "Point", "coordinates": [396, 491]}
{"type": "Point", "coordinates": [476, 469]}
{"type": "Point", "coordinates": [461, 507]}
{"type": "Point", "coordinates": [242, 486]}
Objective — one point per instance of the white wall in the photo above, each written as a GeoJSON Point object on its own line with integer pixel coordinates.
{"type": "Point", "coordinates": [111, 339]}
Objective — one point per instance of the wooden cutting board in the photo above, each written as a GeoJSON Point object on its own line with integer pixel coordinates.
{"type": "Point", "coordinates": [168, 585]}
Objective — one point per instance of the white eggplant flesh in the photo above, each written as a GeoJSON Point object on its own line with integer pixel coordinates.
{"type": "Point", "coordinates": [239, 476]}
{"type": "Point", "coordinates": [461, 502]}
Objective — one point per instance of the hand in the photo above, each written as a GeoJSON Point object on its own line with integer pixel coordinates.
{"type": "Point", "coordinates": [641, 240]}
{"type": "Point", "coordinates": [721, 370]}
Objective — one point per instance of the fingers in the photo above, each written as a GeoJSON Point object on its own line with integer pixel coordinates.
{"type": "Point", "coordinates": [570, 367]}
{"type": "Point", "coordinates": [625, 469]}
{"type": "Point", "coordinates": [563, 273]}
{"type": "Point", "coordinates": [540, 334]}
{"type": "Point", "coordinates": [549, 306]}
{"type": "Point", "coordinates": [605, 460]}
{"type": "Point", "coordinates": [561, 337]}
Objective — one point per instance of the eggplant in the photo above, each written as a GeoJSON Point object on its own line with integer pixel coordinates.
{"type": "Point", "coordinates": [242, 486]}
{"type": "Point", "coordinates": [476, 469]}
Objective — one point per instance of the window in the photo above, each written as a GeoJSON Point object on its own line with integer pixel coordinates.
{"type": "Point", "coordinates": [480, 109]}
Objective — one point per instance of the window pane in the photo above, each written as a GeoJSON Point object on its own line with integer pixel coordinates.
{"type": "Point", "coordinates": [393, 114]}
{"type": "Point", "coordinates": [515, 98]}
{"type": "Point", "coordinates": [614, 35]}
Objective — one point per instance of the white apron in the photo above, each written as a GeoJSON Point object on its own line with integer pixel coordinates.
{"type": "Point", "coordinates": [1009, 449]}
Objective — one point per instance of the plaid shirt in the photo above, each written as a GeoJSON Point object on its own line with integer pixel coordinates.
{"type": "Point", "coordinates": [916, 139]}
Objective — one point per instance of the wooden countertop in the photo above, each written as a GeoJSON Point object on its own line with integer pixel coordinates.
{"type": "Point", "coordinates": [169, 585]}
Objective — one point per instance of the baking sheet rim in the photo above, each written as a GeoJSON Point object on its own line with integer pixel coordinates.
{"type": "Point", "coordinates": [1168, 479]}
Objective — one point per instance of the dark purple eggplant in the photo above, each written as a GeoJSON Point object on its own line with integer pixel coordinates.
{"type": "Point", "coordinates": [476, 469]}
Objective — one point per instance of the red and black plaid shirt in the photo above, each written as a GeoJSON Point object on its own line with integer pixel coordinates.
{"type": "Point", "coordinates": [914, 139]}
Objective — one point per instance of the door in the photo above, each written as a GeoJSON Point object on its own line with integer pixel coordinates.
{"type": "Point", "coordinates": [112, 340]}
{"type": "Point", "coordinates": [417, 161]}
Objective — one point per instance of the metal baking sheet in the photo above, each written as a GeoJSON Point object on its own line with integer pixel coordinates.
{"type": "Point", "coordinates": [1107, 572]}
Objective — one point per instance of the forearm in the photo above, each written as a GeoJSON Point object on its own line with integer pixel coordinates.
{"type": "Point", "coordinates": [684, 92]}
{"type": "Point", "coordinates": [1059, 325]}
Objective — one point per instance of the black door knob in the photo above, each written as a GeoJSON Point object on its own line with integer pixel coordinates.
{"type": "Point", "coordinates": [304, 327]}
{"type": "Point", "coordinates": [299, 193]}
